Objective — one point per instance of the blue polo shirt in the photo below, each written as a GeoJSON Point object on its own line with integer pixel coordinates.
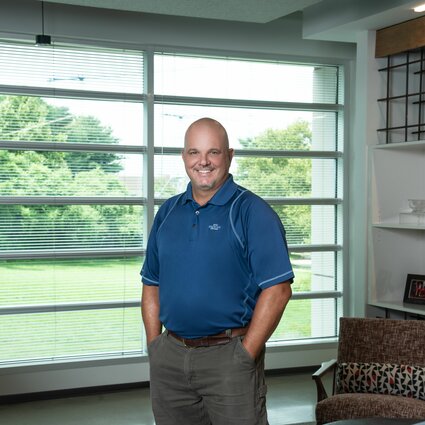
{"type": "Point", "coordinates": [212, 261]}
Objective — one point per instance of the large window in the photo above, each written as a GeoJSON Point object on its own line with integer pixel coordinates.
{"type": "Point", "coordinates": [285, 122]}
{"type": "Point", "coordinates": [87, 155]}
{"type": "Point", "coordinates": [71, 202]}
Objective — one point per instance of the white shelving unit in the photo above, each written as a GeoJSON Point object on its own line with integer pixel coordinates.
{"type": "Point", "coordinates": [397, 174]}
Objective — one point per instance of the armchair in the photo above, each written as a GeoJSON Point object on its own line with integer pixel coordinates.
{"type": "Point", "coordinates": [379, 371]}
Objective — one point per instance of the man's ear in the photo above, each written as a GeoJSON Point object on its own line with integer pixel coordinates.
{"type": "Point", "coordinates": [231, 154]}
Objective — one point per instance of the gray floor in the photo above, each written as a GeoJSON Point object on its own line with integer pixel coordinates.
{"type": "Point", "coordinates": [290, 400]}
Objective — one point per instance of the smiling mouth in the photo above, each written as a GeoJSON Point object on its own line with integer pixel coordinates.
{"type": "Point", "coordinates": [204, 172]}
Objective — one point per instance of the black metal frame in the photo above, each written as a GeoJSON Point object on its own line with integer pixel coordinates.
{"type": "Point", "coordinates": [414, 291]}
{"type": "Point", "coordinates": [415, 97]}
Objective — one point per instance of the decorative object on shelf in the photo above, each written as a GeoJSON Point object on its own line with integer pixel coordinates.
{"type": "Point", "coordinates": [412, 218]}
{"type": "Point", "coordinates": [415, 289]}
{"type": "Point", "coordinates": [417, 214]}
{"type": "Point", "coordinates": [417, 205]}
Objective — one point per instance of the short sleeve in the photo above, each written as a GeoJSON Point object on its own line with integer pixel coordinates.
{"type": "Point", "coordinates": [266, 246]}
{"type": "Point", "coordinates": [150, 269]}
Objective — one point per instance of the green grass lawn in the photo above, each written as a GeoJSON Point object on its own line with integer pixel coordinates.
{"type": "Point", "coordinates": [296, 320]}
{"type": "Point", "coordinates": [61, 281]}
{"type": "Point", "coordinates": [119, 330]}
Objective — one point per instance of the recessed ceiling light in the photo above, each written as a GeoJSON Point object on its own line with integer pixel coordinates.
{"type": "Point", "coordinates": [420, 8]}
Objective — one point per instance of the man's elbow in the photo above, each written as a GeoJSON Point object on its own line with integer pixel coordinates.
{"type": "Point", "coordinates": [280, 294]}
{"type": "Point", "coordinates": [286, 288]}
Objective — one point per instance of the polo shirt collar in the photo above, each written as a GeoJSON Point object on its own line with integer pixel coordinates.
{"type": "Point", "coordinates": [221, 197]}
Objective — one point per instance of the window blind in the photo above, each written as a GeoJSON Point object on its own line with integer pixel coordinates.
{"type": "Point", "coordinates": [285, 123]}
{"type": "Point", "coordinates": [71, 202]}
{"type": "Point", "coordinates": [232, 78]}
{"type": "Point", "coordinates": [74, 68]}
{"type": "Point", "coordinates": [76, 190]}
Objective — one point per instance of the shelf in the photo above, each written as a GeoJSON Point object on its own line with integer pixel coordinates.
{"type": "Point", "coordinates": [416, 145]}
{"type": "Point", "coordinates": [397, 175]}
{"type": "Point", "coordinates": [399, 226]}
{"type": "Point", "coordinates": [400, 306]}
{"type": "Point", "coordinates": [396, 242]}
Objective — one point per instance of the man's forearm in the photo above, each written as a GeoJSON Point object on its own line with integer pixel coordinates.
{"type": "Point", "coordinates": [267, 314]}
{"type": "Point", "coordinates": [150, 312]}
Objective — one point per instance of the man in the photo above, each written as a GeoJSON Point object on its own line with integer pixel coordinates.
{"type": "Point", "coordinates": [217, 276]}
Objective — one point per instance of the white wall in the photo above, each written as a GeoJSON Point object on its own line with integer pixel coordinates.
{"type": "Point", "coordinates": [356, 183]}
{"type": "Point", "coordinates": [282, 38]}
{"type": "Point", "coordinates": [363, 126]}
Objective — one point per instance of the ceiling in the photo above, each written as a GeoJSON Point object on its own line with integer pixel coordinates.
{"type": "Point", "coordinates": [337, 20]}
{"type": "Point", "coordinates": [258, 11]}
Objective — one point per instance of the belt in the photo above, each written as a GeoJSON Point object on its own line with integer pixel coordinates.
{"type": "Point", "coordinates": [208, 341]}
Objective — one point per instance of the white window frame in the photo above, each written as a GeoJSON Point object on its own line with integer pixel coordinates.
{"type": "Point", "coordinates": [149, 151]}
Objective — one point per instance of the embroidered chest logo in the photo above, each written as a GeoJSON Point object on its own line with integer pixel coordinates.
{"type": "Point", "coordinates": [214, 226]}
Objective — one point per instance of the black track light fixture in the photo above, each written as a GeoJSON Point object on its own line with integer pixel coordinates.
{"type": "Point", "coordinates": [42, 39]}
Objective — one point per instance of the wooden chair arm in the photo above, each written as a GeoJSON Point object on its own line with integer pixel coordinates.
{"type": "Point", "coordinates": [317, 376]}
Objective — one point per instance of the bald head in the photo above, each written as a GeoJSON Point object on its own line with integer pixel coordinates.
{"type": "Point", "coordinates": [206, 157]}
{"type": "Point", "coordinates": [208, 125]}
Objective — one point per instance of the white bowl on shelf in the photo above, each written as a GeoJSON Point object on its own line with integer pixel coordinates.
{"type": "Point", "coordinates": [417, 205]}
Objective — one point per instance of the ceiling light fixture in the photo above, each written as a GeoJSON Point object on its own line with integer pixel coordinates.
{"type": "Point", "coordinates": [42, 39]}
{"type": "Point", "coordinates": [420, 8]}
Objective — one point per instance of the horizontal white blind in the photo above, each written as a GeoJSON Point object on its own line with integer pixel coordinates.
{"type": "Point", "coordinates": [32, 173]}
{"type": "Point", "coordinates": [252, 128]}
{"type": "Point", "coordinates": [301, 319]}
{"type": "Point", "coordinates": [71, 202]}
{"type": "Point", "coordinates": [182, 75]}
{"type": "Point", "coordinates": [48, 337]}
{"type": "Point", "coordinates": [58, 227]}
{"type": "Point", "coordinates": [64, 120]}
{"type": "Point", "coordinates": [71, 68]}
{"type": "Point", "coordinates": [309, 224]}
{"type": "Point", "coordinates": [280, 176]}
{"type": "Point", "coordinates": [307, 268]}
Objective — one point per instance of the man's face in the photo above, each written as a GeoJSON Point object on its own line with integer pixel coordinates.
{"type": "Point", "coordinates": [207, 159]}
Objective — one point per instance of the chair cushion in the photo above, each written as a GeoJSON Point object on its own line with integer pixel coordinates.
{"type": "Point", "coordinates": [381, 378]}
{"type": "Point", "coordinates": [348, 406]}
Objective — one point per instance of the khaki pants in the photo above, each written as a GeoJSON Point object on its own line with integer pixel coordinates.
{"type": "Point", "coordinates": [218, 385]}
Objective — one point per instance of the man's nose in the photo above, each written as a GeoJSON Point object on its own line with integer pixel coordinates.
{"type": "Point", "coordinates": [204, 160]}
